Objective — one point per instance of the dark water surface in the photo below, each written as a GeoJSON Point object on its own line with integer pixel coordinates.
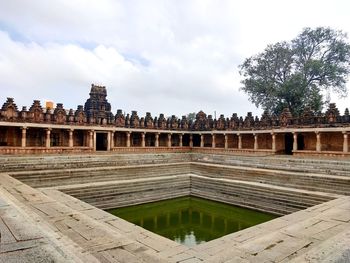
{"type": "Point", "coordinates": [191, 220]}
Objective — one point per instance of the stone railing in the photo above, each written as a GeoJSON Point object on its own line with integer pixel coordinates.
{"type": "Point", "coordinates": [43, 150]}
{"type": "Point", "coordinates": [150, 149]}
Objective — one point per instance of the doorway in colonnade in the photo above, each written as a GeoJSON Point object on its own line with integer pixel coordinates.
{"type": "Point", "coordinates": [300, 142]}
{"type": "Point", "coordinates": [288, 143]}
{"type": "Point", "coordinates": [101, 141]}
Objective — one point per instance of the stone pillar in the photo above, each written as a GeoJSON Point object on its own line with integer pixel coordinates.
{"type": "Point", "coordinates": [239, 141]}
{"type": "Point", "coordinates": [180, 140]}
{"type": "Point", "coordinates": [112, 139]}
{"type": "Point", "coordinates": [169, 140]}
{"type": "Point", "coordinates": [24, 137]}
{"type": "Point", "coordinates": [346, 142]}
{"type": "Point", "coordinates": [143, 141]}
{"type": "Point", "coordinates": [94, 141]}
{"type": "Point", "coordinates": [202, 141]}
{"type": "Point", "coordinates": [256, 146]}
{"type": "Point", "coordinates": [273, 142]}
{"type": "Point", "coordinates": [157, 140]}
{"type": "Point", "coordinates": [108, 141]}
{"type": "Point", "coordinates": [91, 139]}
{"type": "Point", "coordinates": [191, 140]}
{"type": "Point", "coordinates": [70, 142]}
{"type": "Point", "coordinates": [295, 141]}
{"type": "Point", "coordinates": [226, 141]}
{"type": "Point", "coordinates": [213, 142]}
{"type": "Point", "coordinates": [128, 142]}
{"type": "Point", "coordinates": [318, 141]}
{"type": "Point", "coordinates": [48, 138]}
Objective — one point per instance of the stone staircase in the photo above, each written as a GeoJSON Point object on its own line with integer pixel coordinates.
{"type": "Point", "coordinates": [79, 231]}
{"type": "Point", "coordinates": [298, 180]}
{"type": "Point", "coordinates": [263, 197]}
{"type": "Point", "coordinates": [282, 163]}
{"type": "Point", "coordinates": [130, 192]}
{"type": "Point", "coordinates": [263, 183]}
{"type": "Point", "coordinates": [53, 162]}
{"type": "Point", "coordinates": [50, 178]}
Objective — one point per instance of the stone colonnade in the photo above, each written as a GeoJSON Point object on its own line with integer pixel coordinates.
{"type": "Point", "coordinates": [95, 138]}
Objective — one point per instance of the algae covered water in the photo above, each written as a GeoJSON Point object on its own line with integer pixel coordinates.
{"type": "Point", "coordinates": [191, 220]}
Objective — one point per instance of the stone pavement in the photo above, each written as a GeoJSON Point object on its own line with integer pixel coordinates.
{"type": "Point", "coordinates": [49, 226]}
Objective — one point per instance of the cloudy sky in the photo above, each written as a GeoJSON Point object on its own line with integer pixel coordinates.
{"type": "Point", "coordinates": [174, 57]}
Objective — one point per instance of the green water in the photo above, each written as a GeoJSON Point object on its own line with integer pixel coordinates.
{"type": "Point", "coordinates": [190, 220]}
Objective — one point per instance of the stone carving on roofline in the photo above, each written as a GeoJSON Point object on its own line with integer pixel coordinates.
{"type": "Point", "coordinates": [346, 117]}
{"type": "Point", "coordinates": [211, 122]}
{"type": "Point", "coordinates": [332, 113]}
{"type": "Point", "coordinates": [307, 116]}
{"type": "Point", "coordinates": [97, 111]}
{"type": "Point", "coordinates": [234, 122]}
{"type": "Point", "coordinates": [265, 120]}
{"type": "Point", "coordinates": [173, 123]}
{"type": "Point", "coordinates": [149, 121]}
{"type": "Point", "coordinates": [248, 121]}
{"type": "Point", "coordinates": [184, 123]}
{"type": "Point", "coordinates": [79, 115]}
{"type": "Point", "coordinates": [285, 117]}
{"type": "Point", "coordinates": [201, 122]}
{"type": "Point", "coordinates": [119, 119]}
{"type": "Point", "coordinates": [36, 112]}
{"type": "Point", "coordinates": [59, 114]}
{"type": "Point", "coordinates": [134, 120]}
{"type": "Point", "coordinates": [71, 116]}
{"type": "Point", "coordinates": [221, 123]}
{"type": "Point", "coordinates": [23, 114]}
{"type": "Point", "coordinates": [127, 120]}
{"type": "Point", "coordinates": [161, 122]}
{"type": "Point", "coordinates": [9, 111]}
{"type": "Point", "coordinates": [142, 122]}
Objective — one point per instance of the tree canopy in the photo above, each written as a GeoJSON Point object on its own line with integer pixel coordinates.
{"type": "Point", "coordinates": [298, 73]}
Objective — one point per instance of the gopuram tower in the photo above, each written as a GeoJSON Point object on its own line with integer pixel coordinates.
{"type": "Point", "coordinates": [97, 108]}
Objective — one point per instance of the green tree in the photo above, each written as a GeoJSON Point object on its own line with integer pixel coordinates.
{"type": "Point", "coordinates": [298, 73]}
{"type": "Point", "coordinates": [191, 116]}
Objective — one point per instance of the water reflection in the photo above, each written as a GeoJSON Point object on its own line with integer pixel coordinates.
{"type": "Point", "coordinates": [190, 220]}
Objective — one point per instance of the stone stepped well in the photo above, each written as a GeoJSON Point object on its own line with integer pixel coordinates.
{"type": "Point", "coordinates": [313, 182]}
{"type": "Point", "coordinates": [52, 226]}
{"type": "Point", "coordinates": [262, 197]}
{"type": "Point", "coordinates": [109, 181]}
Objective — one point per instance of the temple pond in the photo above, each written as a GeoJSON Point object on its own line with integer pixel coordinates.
{"type": "Point", "coordinates": [190, 220]}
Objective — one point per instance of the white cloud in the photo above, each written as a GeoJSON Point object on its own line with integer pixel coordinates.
{"type": "Point", "coordinates": [160, 56]}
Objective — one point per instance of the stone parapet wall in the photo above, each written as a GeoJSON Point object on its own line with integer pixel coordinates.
{"type": "Point", "coordinates": [208, 150]}
{"type": "Point", "coordinates": [44, 150]}
{"type": "Point", "coordinates": [150, 149]}
{"type": "Point", "coordinates": [322, 154]}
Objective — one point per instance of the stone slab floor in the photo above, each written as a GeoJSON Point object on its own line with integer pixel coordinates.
{"type": "Point", "coordinates": [49, 226]}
